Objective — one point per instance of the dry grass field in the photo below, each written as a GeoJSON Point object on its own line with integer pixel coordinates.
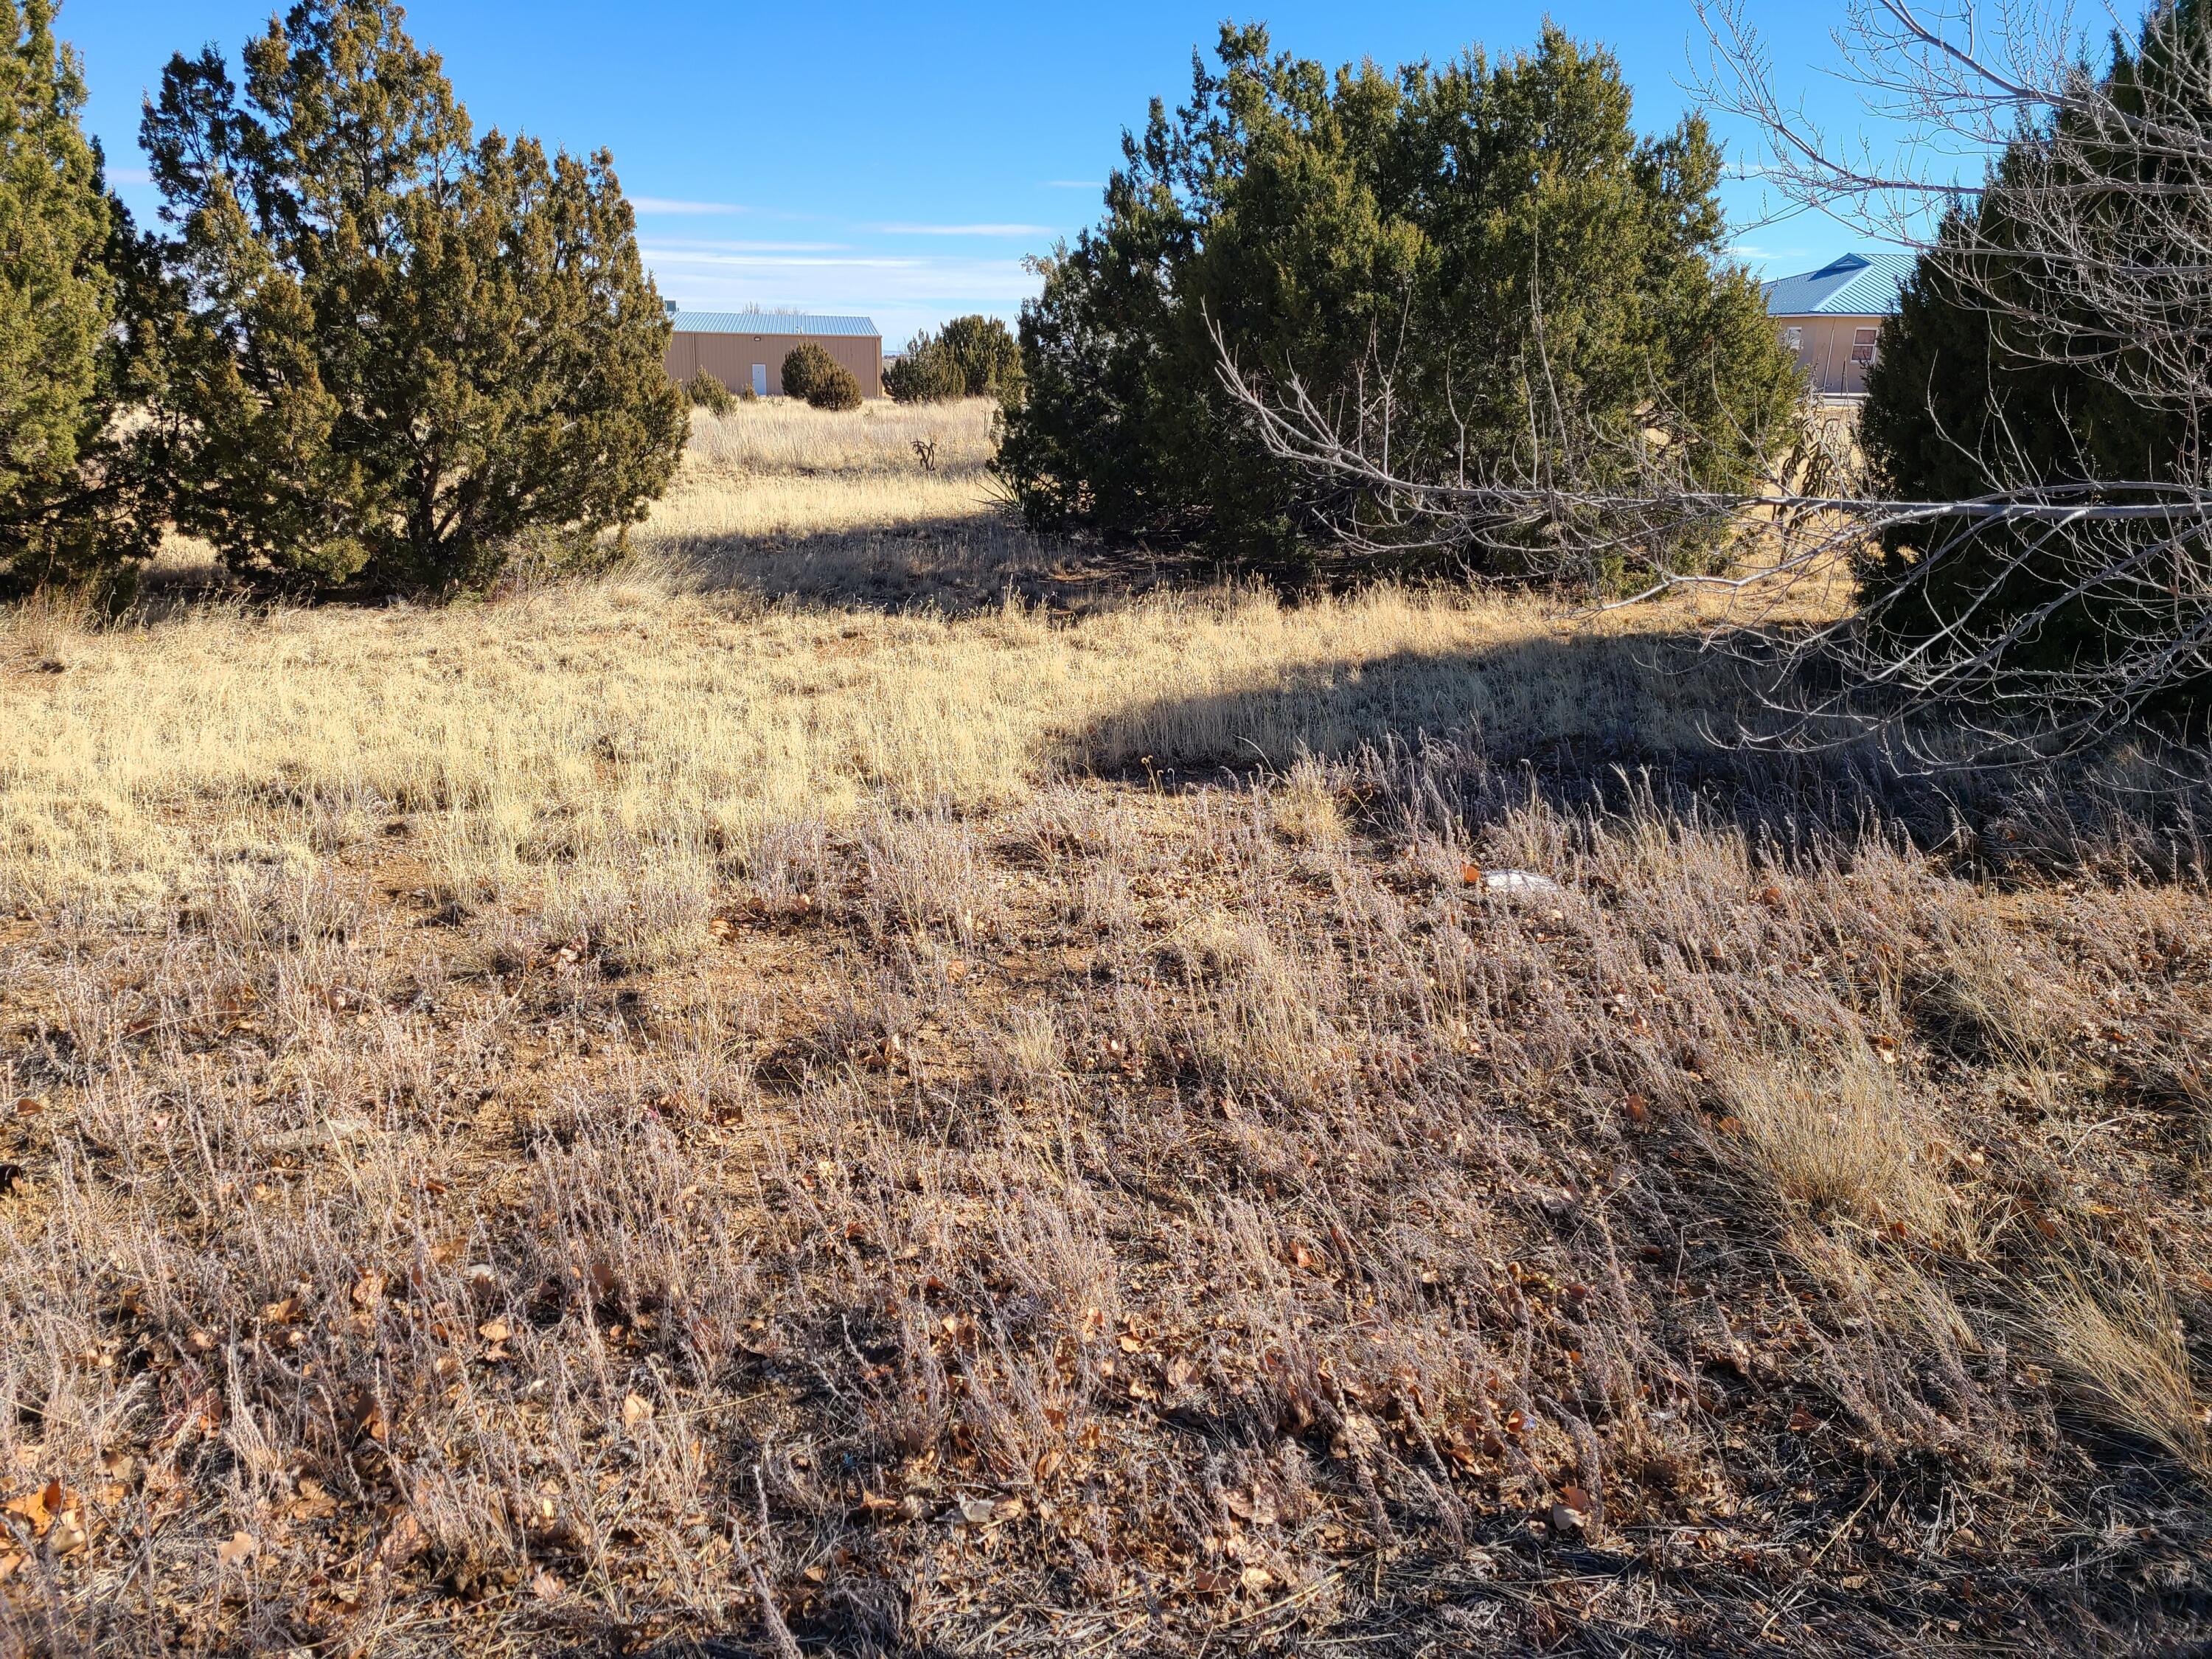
{"type": "Point", "coordinates": [870, 1084]}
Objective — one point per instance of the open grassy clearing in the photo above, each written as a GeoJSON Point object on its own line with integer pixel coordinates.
{"type": "Point", "coordinates": [1016, 1125]}
{"type": "Point", "coordinates": [757, 471]}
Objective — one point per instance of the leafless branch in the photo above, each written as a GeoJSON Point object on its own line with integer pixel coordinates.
{"type": "Point", "coordinates": [2085, 242]}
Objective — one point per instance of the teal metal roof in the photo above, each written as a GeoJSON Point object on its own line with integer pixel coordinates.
{"type": "Point", "coordinates": [768, 322]}
{"type": "Point", "coordinates": [1856, 285]}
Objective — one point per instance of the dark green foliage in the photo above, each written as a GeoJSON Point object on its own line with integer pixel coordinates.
{"type": "Point", "coordinates": [924, 374]}
{"type": "Point", "coordinates": [78, 319]}
{"type": "Point", "coordinates": [1974, 395]}
{"type": "Point", "coordinates": [986, 353]}
{"type": "Point", "coordinates": [836, 387]}
{"type": "Point", "coordinates": [970, 357]}
{"type": "Point", "coordinates": [408, 351]}
{"type": "Point", "coordinates": [804, 365]}
{"type": "Point", "coordinates": [1423, 217]}
{"type": "Point", "coordinates": [708, 392]}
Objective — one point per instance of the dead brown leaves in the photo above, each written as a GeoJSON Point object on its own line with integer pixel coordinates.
{"type": "Point", "coordinates": [53, 1515]}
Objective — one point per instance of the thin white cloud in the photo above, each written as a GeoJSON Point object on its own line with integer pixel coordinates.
{"type": "Point", "coordinates": [898, 292]}
{"type": "Point", "coordinates": [666, 204]}
{"type": "Point", "coordinates": [679, 256]}
{"type": "Point", "coordinates": [691, 244]}
{"type": "Point", "coordinates": [130, 176]}
{"type": "Point", "coordinates": [967, 230]}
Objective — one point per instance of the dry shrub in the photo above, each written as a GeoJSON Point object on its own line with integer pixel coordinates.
{"type": "Point", "coordinates": [1839, 1137]}
{"type": "Point", "coordinates": [1987, 992]}
{"type": "Point", "coordinates": [2121, 1351]}
{"type": "Point", "coordinates": [1368, 1172]}
{"type": "Point", "coordinates": [39, 634]}
{"type": "Point", "coordinates": [925, 875]}
{"type": "Point", "coordinates": [1257, 1007]}
{"type": "Point", "coordinates": [781, 436]}
{"type": "Point", "coordinates": [1306, 810]}
{"type": "Point", "coordinates": [635, 908]}
{"type": "Point", "coordinates": [1030, 1054]}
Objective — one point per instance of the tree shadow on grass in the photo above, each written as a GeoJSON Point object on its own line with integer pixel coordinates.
{"type": "Point", "coordinates": [1645, 725]}
{"type": "Point", "coordinates": [957, 567]}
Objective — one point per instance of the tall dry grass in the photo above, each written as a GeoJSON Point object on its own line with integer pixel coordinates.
{"type": "Point", "coordinates": [559, 731]}
{"type": "Point", "coordinates": [770, 436]}
{"type": "Point", "coordinates": [773, 467]}
{"type": "Point", "coordinates": [748, 1101]}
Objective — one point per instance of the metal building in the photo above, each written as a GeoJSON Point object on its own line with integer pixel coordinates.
{"type": "Point", "coordinates": [1831, 317]}
{"type": "Point", "coordinates": [747, 347]}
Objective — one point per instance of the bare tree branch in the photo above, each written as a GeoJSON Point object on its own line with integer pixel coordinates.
{"type": "Point", "coordinates": [2086, 241]}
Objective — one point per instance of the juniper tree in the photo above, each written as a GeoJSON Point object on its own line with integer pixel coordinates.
{"type": "Point", "coordinates": [805, 366]}
{"type": "Point", "coordinates": [73, 509]}
{"type": "Point", "coordinates": [972, 356]}
{"type": "Point", "coordinates": [925, 374]}
{"type": "Point", "coordinates": [407, 347]}
{"type": "Point", "coordinates": [835, 388]}
{"type": "Point", "coordinates": [706, 391]}
{"type": "Point", "coordinates": [2030, 510]}
{"type": "Point", "coordinates": [986, 353]}
{"type": "Point", "coordinates": [2005, 368]}
{"type": "Point", "coordinates": [1491, 236]}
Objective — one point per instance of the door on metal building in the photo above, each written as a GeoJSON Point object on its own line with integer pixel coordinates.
{"type": "Point", "coordinates": [760, 380]}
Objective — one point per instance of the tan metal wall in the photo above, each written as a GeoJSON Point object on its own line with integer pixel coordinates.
{"type": "Point", "coordinates": [1824, 351]}
{"type": "Point", "coordinates": [730, 357]}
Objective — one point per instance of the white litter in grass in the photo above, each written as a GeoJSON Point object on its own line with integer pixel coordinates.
{"type": "Point", "coordinates": [1518, 881]}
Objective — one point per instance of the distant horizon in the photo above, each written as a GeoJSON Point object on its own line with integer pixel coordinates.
{"type": "Point", "coordinates": [880, 187]}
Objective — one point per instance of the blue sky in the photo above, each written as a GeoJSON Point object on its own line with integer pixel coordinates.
{"type": "Point", "coordinates": [895, 160]}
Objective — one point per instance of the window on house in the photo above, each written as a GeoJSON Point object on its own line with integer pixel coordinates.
{"type": "Point", "coordinates": [1863, 341]}
{"type": "Point", "coordinates": [1793, 339]}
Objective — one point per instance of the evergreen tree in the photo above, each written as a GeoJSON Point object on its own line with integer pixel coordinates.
{"type": "Point", "coordinates": [706, 391]}
{"type": "Point", "coordinates": [989, 356]}
{"type": "Point", "coordinates": [805, 366]}
{"type": "Point", "coordinates": [836, 387]}
{"type": "Point", "coordinates": [75, 508]}
{"type": "Point", "coordinates": [406, 347]}
{"type": "Point", "coordinates": [973, 356]}
{"type": "Point", "coordinates": [1982, 387]}
{"type": "Point", "coordinates": [1497, 229]}
{"type": "Point", "coordinates": [925, 374]}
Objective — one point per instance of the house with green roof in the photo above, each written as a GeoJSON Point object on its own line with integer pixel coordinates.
{"type": "Point", "coordinates": [1833, 318]}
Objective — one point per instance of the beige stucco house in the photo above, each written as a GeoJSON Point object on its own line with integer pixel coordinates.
{"type": "Point", "coordinates": [1833, 318]}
